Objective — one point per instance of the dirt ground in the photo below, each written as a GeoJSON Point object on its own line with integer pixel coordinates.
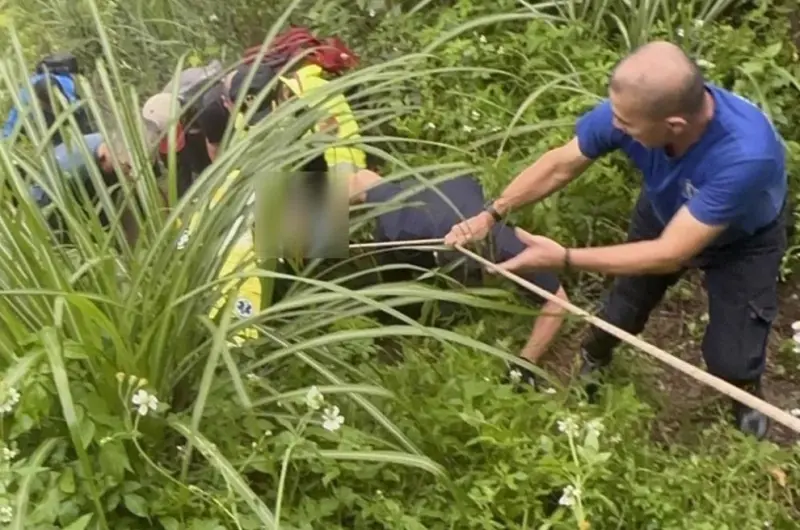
{"type": "Point", "coordinates": [684, 405]}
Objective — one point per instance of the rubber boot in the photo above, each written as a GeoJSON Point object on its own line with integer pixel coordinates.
{"type": "Point", "coordinates": [748, 420]}
{"type": "Point", "coordinates": [592, 371]}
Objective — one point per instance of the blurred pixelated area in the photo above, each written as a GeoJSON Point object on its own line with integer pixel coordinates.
{"type": "Point", "coordinates": [301, 215]}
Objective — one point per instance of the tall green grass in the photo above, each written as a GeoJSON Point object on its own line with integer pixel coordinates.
{"type": "Point", "coordinates": [102, 308]}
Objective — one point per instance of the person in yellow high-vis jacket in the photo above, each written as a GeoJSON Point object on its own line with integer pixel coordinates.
{"type": "Point", "coordinates": [306, 82]}
{"type": "Point", "coordinates": [338, 162]}
{"type": "Point", "coordinates": [240, 256]}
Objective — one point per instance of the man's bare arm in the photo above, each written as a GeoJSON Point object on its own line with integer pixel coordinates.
{"type": "Point", "coordinates": [551, 172]}
{"type": "Point", "coordinates": [682, 239]}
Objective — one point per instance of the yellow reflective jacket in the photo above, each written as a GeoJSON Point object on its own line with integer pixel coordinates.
{"type": "Point", "coordinates": [303, 84]}
{"type": "Point", "coordinates": [248, 297]}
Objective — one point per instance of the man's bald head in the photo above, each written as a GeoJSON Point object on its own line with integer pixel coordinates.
{"type": "Point", "coordinates": [661, 79]}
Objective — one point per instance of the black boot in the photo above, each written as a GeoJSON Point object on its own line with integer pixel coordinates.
{"type": "Point", "coordinates": [750, 421]}
{"type": "Point", "coordinates": [592, 370]}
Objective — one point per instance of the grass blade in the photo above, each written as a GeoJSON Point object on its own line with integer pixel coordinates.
{"type": "Point", "coordinates": [234, 479]}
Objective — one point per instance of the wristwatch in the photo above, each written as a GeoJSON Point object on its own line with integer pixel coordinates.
{"type": "Point", "coordinates": [489, 207]}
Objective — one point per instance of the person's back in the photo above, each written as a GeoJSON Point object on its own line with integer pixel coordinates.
{"type": "Point", "coordinates": [72, 162]}
{"type": "Point", "coordinates": [430, 212]}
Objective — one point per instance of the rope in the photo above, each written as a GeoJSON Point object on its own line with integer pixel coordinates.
{"type": "Point", "coordinates": [409, 243]}
{"type": "Point", "coordinates": [692, 371]}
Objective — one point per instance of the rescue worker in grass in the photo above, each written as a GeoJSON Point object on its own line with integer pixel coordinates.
{"type": "Point", "coordinates": [713, 197]}
{"type": "Point", "coordinates": [76, 166]}
{"type": "Point", "coordinates": [337, 163]}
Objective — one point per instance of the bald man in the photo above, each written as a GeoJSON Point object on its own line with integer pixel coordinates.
{"type": "Point", "coordinates": [713, 197]}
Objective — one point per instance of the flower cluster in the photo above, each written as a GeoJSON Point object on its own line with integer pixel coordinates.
{"type": "Point", "coordinates": [6, 514]}
{"type": "Point", "coordinates": [568, 426]}
{"type": "Point", "coordinates": [569, 496]}
{"type": "Point", "coordinates": [796, 336]}
{"type": "Point", "coordinates": [11, 399]}
{"type": "Point", "coordinates": [571, 428]}
{"type": "Point", "coordinates": [332, 420]}
{"type": "Point", "coordinates": [7, 455]}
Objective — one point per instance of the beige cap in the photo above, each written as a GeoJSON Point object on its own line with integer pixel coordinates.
{"type": "Point", "coordinates": [156, 112]}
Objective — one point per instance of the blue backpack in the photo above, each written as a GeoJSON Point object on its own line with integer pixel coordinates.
{"type": "Point", "coordinates": [61, 70]}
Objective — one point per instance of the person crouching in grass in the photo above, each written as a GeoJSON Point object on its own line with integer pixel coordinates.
{"type": "Point", "coordinates": [433, 219]}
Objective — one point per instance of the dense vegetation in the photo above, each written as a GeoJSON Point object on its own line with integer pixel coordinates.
{"type": "Point", "coordinates": [124, 408]}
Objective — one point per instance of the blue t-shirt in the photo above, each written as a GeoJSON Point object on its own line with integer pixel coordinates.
{"type": "Point", "coordinates": [72, 162]}
{"type": "Point", "coordinates": [734, 175]}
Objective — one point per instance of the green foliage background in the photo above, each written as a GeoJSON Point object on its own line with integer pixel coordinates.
{"type": "Point", "coordinates": [432, 443]}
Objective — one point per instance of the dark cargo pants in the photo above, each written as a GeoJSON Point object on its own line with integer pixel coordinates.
{"type": "Point", "coordinates": [741, 279]}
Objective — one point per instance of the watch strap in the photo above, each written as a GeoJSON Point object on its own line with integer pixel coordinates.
{"type": "Point", "coordinates": [489, 207]}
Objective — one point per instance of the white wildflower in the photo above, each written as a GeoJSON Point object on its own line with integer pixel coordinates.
{"type": "Point", "coordinates": [331, 419]}
{"type": "Point", "coordinates": [616, 439]}
{"type": "Point", "coordinates": [568, 426]}
{"type": "Point", "coordinates": [430, 125]}
{"type": "Point", "coordinates": [475, 115]}
{"type": "Point", "coordinates": [314, 398]}
{"type": "Point", "coordinates": [144, 402]}
{"type": "Point", "coordinates": [515, 375]}
{"type": "Point", "coordinates": [569, 496]}
{"type": "Point", "coordinates": [549, 390]}
{"type": "Point", "coordinates": [483, 39]}
{"type": "Point", "coordinates": [9, 454]}
{"type": "Point", "coordinates": [213, 18]}
{"type": "Point", "coordinates": [183, 240]}
{"type": "Point", "coordinates": [468, 128]}
{"type": "Point", "coordinates": [796, 337]}
{"type": "Point", "coordinates": [795, 412]}
{"type": "Point", "coordinates": [698, 23]}
{"type": "Point", "coordinates": [595, 426]}
{"type": "Point", "coordinates": [6, 514]}
{"type": "Point", "coordinates": [371, 12]}
{"type": "Point", "coordinates": [252, 377]}
{"type": "Point", "coordinates": [796, 326]}
{"type": "Point", "coordinates": [500, 50]}
{"type": "Point", "coordinates": [679, 32]}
